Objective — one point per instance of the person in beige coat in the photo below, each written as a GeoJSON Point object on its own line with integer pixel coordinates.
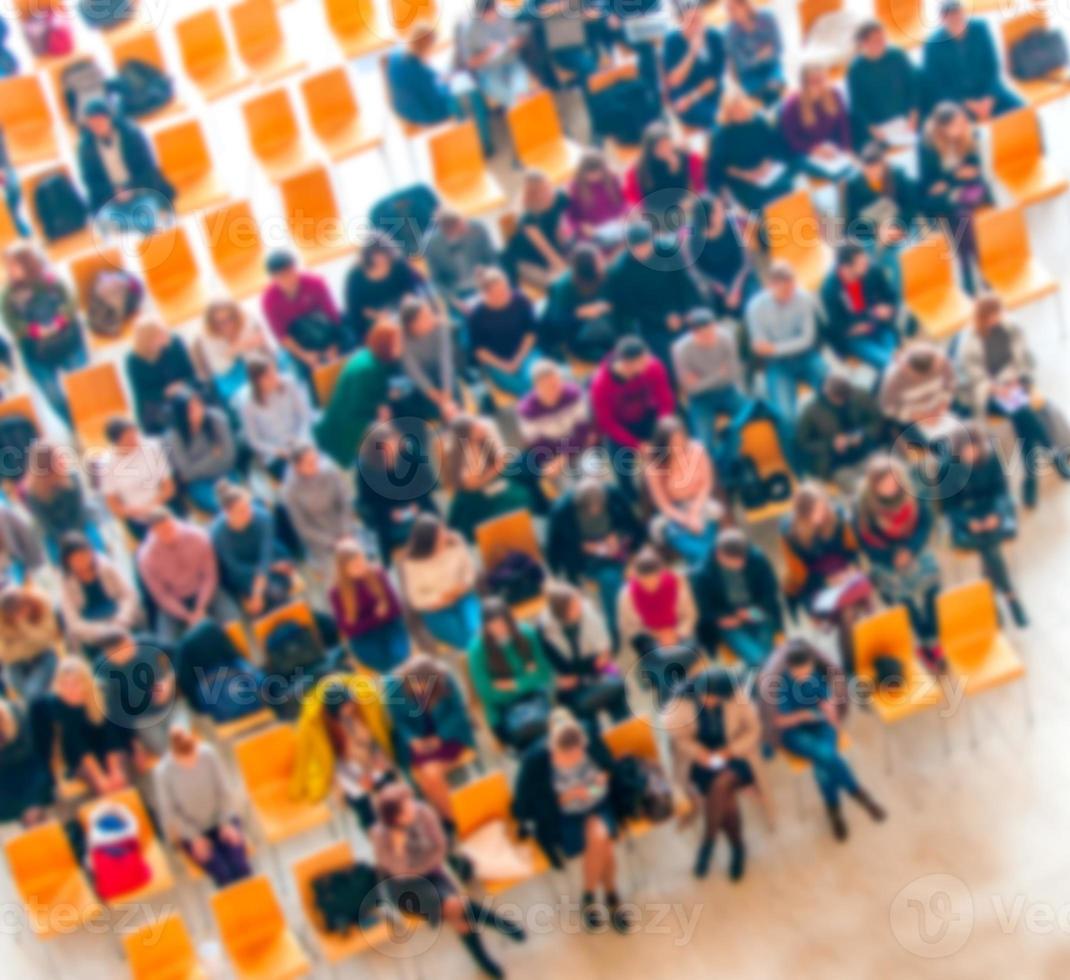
{"type": "Point", "coordinates": [715, 734]}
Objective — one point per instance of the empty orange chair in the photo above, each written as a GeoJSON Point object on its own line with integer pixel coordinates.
{"type": "Point", "coordinates": [274, 133]}
{"type": "Point", "coordinates": [51, 886]}
{"type": "Point", "coordinates": [794, 230]}
{"type": "Point", "coordinates": [929, 288]}
{"type": "Point", "coordinates": [207, 57]}
{"type": "Point", "coordinates": [162, 951]}
{"type": "Point", "coordinates": [313, 216]}
{"type": "Point", "coordinates": [261, 43]}
{"type": "Point", "coordinates": [1036, 91]}
{"type": "Point", "coordinates": [976, 649]}
{"type": "Point", "coordinates": [237, 250]}
{"type": "Point", "coordinates": [1018, 158]}
{"type": "Point", "coordinates": [266, 761]}
{"type": "Point", "coordinates": [61, 248]}
{"type": "Point", "coordinates": [335, 116]}
{"type": "Point", "coordinates": [540, 144]}
{"type": "Point", "coordinates": [903, 21]}
{"type": "Point", "coordinates": [26, 120]}
{"type": "Point", "coordinates": [143, 45]}
{"type": "Point", "coordinates": [94, 395]}
{"type": "Point", "coordinates": [183, 155]}
{"type": "Point", "coordinates": [1006, 258]}
{"type": "Point", "coordinates": [460, 172]}
{"type": "Point", "coordinates": [84, 270]}
{"type": "Point", "coordinates": [405, 13]}
{"type": "Point", "coordinates": [253, 929]}
{"type": "Point", "coordinates": [356, 27]}
{"type": "Point", "coordinates": [171, 275]}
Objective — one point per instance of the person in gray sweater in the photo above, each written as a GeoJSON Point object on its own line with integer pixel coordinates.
{"type": "Point", "coordinates": [21, 552]}
{"type": "Point", "coordinates": [276, 415]}
{"type": "Point", "coordinates": [783, 326]}
{"type": "Point", "coordinates": [319, 501]}
{"type": "Point", "coordinates": [196, 808]}
{"type": "Point", "coordinates": [455, 249]}
{"type": "Point", "coordinates": [428, 359]}
{"type": "Point", "coordinates": [200, 447]}
{"type": "Point", "coordinates": [917, 390]}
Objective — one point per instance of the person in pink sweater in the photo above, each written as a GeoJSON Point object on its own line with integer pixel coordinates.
{"type": "Point", "coordinates": [630, 392]}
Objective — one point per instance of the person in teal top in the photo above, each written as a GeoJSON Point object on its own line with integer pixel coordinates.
{"type": "Point", "coordinates": [511, 676]}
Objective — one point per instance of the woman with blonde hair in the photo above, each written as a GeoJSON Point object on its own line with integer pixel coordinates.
{"type": "Point", "coordinates": [815, 124]}
{"type": "Point", "coordinates": [228, 335]}
{"type": "Point", "coordinates": [55, 497]}
{"type": "Point", "coordinates": [538, 248]}
{"type": "Point", "coordinates": [29, 640]}
{"type": "Point", "coordinates": [157, 365]}
{"type": "Point", "coordinates": [367, 609]}
{"type": "Point", "coordinates": [26, 789]}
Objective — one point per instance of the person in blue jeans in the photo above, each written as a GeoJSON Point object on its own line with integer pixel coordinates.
{"type": "Point", "coordinates": [808, 722]}
{"type": "Point", "coordinates": [502, 331]}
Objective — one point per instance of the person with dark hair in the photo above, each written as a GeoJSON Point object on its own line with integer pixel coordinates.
{"type": "Point", "coordinates": [26, 785]}
{"type": "Point", "coordinates": [135, 475]}
{"type": "Point", "coordinates": [753, 44]}
{"type": "Point", "coordinates": [29, 640]}
{"type": "Point", "coordinates": [410, 854]}
{"type": "Point", "coordinates": [883, 88]}
{"type": "Point", "coordinates": [693, 64]}
{"type": "Point", "coordinates": [156, 365]}
{"type": "Point", "coordinates": [200, 445]}
{"type": "Point", "coordinates": [839, 427]}
{"type": "Point", "coordinates": [318, 499]}
{"type": "Point", "coordinates": [490, 45]}
{"type": "Point", "coordinates": [665, 173]}
{"type": "Point", "coordinates": [880, 202]}
{"type": "Point", "coordinates": [961, 63]}
{"type": "Point", "coordinates": [578, 317]}
{"type": "Point", "coordinates": [428, 359]}
{"type": "Point", "coordinates": [738, 597]}
{"type": "Point", "coordinates": [275, 413]}
{"type": "Point", "coordinates": [715, 733]}
{"type": "Point", "coordinates": [54, 496]}
{"type": "Point", "coordinates": [720, 262]}
{"type": "Point", "coordinates": [596, 201]}
{"type": "Point", "coordinates": [125, 184]}
{"type": "Point", "coordinates": [377, 283]}
{"type": "Point", "coordinates": [96, 598]}
{"type": "Point", "coordinates": [555, 425]}
{"type": "Point", "coordinates": [537, 251]}
{"type": "Point", "coordinates": [630, 392]}
{"type": "Point", "coordinates": [502, 333]}
{"type": "Point", "coordinates": [511, 676]}
{"type": "Point", "coordinates": [917, 390]}
{"type": "Point", "coordinates": [455, 249]}
{"type": "Point", "coordinates": [807, 714]}
{"type": "Point", "coordinates": [862, 309]}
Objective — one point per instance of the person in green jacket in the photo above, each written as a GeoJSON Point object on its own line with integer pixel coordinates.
{"type": "Point", "coordinates": [509, 669]}
{"type": "Point", "coordinates": [368, 389]}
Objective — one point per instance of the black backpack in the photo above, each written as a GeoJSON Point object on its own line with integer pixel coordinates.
{"type": "Point", "coordinates": [142, 88]}
{"type": "Point", "coordinates": [291, 648]}
{"type": "Point", "coordinates": [61, 210]}
{"type": "Point", "coordinates": [342, 897]}
{"type": "Point", "coordinates": [622, 111]}
{"type": "Point", "coordinates": [516, 578]}
{"type": "Point", "coordinates": [101, 14]}
{"type": "Point", "coordinates": [314, 331]}
{"type": "Point", "coordinates": [1038, 54]}
{"type": "Point", "coordinates": [17, 434]}
{"type": "Point", "coordinates": [405, 216]}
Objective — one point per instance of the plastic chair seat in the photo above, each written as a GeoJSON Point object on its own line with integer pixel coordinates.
{"type": "Point", "coordinates": [918, 692]}
{"type": "Point", "coordinates": [65, 889]}
{"type": "Point", "coordinates": [941, 312]}
{"type": "Point", "coordinates": [984, 662]}
{"type": "Point", "coordinates": [1019, 283]}
{"type": "Point", "coordinates": [1041, 91]}
{"type": "Point", "coordinates": [349, 138]}
{"type": "Point", "coordinates": [558, 161]}
{"type": "Point", "coordinates": [281, 817]}
{"type": "Point", "coordinates": [768, 512]}
{"type": "Point", "coordinates": [357, 28]}
{"type": "Point", "coordinates": [1036, 180]}
{"type": "Point", "coordinates": [474, 195]}
{"type": "Point", "coordinates": [279, 958]}
{"type": "Point", "coordinates": [229, 730]}
{"type": "Point", "coordinates": [798, 764]}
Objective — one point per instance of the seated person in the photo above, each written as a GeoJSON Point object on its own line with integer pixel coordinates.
{"type": "Point", "coordinates": [511, 676]}
{"type": "Point", "coordinates": [693, 65]}
{"type": "Point", "coordinates": [376, 284]}
{"type": "Point", "coordinates": [815, 126]}
{"type": "Point", "coordinates": [880, 201]}
{"type": "Point", "coordinates": [177, 566]}
{"type": "Point", "coordinates": [197, 810]}
{"type": "Point", "coordinates": [883, 89]}
{"type": "Point", "coordinates": [275, 413]}
{"type": "Point", "coordinates": [96, 599]}
{"type": "Point", "coordinates": [21, 554]}
{"type": "Point", "coordinates": [862, 309]}
{"type": "Point", "coordinates": [578, 646]}
{"type": "Point", "coordinates": [916, 393]}
{"type": "Point", "coordinates": [30, 641]}
{"type": "Point", "coordinates": [228, 337]}
{"type": "Point", "coordinates": [664, 176]}
{"type": "Point", "coordinates": [455, 250]}
{"type": "Point", "coordinates": [839, 427]}
{"type": "Point", "coordinates": [26, 786]}
{"type": "Point", "coordinates": [596, 203]}
{"type": "Point", "coordinates": [753, 45]}
{"type": "Point", "coordinates": [490, 45]}
{"type": "Point", "coordinates": [537, 251]}
{"type": "Point", "coordinates": [254, 567]}
{"type": "Point", "coordinates": [136, 476]}
{"type": "Point", "coordinates": [126, 187]}
{"type": "Point", "coordinates": [721, 265]}
{"type": "Point", "coordinates": [747, 156]}
{"type": "Point", "coordinates": [739, 598]}
{"type": "Point", "coordinates": [201, 447]}
{"type": "Point", "coordinates": [428, 359]}
{"type": "Point", "coordinates": [961, 63]}
{"type": "Point", "coordinates": [54, 496]}
{"type": "Point", "coordinates": [630, 392]}
{"type": "Point", "coordinates": [318, 499]}
{"type": "Point", "coordinates": [502, 332]}
{"type": "Point", "coordinates": [578, 318]}
{"type": "Point", "coordinates": [157, 364]}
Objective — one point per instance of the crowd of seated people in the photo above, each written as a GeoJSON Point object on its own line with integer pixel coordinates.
{"type": "Point", "coordinates": [600, 372]}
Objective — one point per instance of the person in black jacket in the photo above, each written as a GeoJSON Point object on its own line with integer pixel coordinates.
{"type": "Point", "coordinates": [563, 796]}
{"type": "Point", "coordinates": [861, 309]}
{"type": "Point", "coordinates": [839, 427]}
{"type": "Point", "coordinates": [980, 508]}
{"type": "Point", "coordinates": [880, 200]}
{"type": "Point", "coordinates": [125, 184]}
{"type": "Point", "coordinates": [738, 598]}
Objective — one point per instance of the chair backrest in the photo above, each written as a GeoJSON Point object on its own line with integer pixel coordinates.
{"type": "Point", "coordinates": [266, 757]}
{"type": "Point", "coordinates": [902, 14]}
{"type": "Point", "coordinates": [233, 236]}
{"type": "Point", "coordinates": [760, 443]}
{"type": "Point", "coordinates": [1016, 142]}
{"type": "Point", "coordinates": [534, 123]}
{"type": "Point", "coordinates": [325, 377]}
{"type": "Point", "coordinates": [793, 225]}
{"type": "Point", "coordinates": [334, 857]}
{"type": "Point", "coordinates": [257, 29]}
{"type": "Point", "coordinates": [885, 633]}
{"type": "Point", "coordinates": [20, 406]}
{"type": "Point", "coordinates": [94, 392]}
{"type": "Point", "coordinates": [160, 949]}
{"type": "Point", "coordinates": [811, 11]}
{"type": "Point", "coordinates": [311, 207]}
{"type": "Point", "coordinates": [167, 261]}
{"type": "Point", "coordinates": [510, 532]}
{"type": "Point", "coordinates": [405, 13]}
{"type": "Point", "coordinates": [85, 268]}
{"type": "Point", "coordinates": [297, 611]}
{"type": "Point", "coordinates": [247, 914]}
{"type": "Point", "coordinates": [1014, 28]}
{"type": "Point", "coordinates": [350, 17]}
{"type": "Point", "coordinates": [967, 614]}
{"type": "Point", "coordinates": [330, 100]}
{"type": "Point", "coordinates": [271, 122]}
{"type": "Point", "coordinates": [203, 43]}
{"type": "Point", "coordinates": [139, 45]}
{"type": "Point", "coordinates": [626, 71]}
{"type": "Point", "coordinates": [633, 736]}
{"type": "Point", "coordinates": [23, 101]}
{"type": "Point", "coordinates": [480, 802]}
{"type": "Point", "coordinates": [926, 266]}
{"type": "Point", "coordinates": [1002, 238]}
{"type": "Point", "coordinates": [182, 152]}
{"type": "Point", "coordinates": [456, 156]}
{"type": "Point", "coordinates": [42, 853]}
{"type": "Point", "coordinates": [235, 631]}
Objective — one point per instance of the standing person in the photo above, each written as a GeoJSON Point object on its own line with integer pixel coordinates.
{"type": "Point", "coordinates": [410, 855]}
{"type": "Point", "coordinates": [319, 502]}
{"type": "Point", "coordinates": [40, 315]}
{"type": "Point", "coordinates": [227, 339]}
{"type": "Point", "coordinates": [720, 263]}
{"type": "Point", "coordinates": [96, 599]}
{"type": "Point", "coordinates": [883, 89]}
{"type": "Point", "coordinates": [30, 641]}
{"type": "Point", "coordinates": [489, 45]}
{"type": "Point", "coordinates": [200, 445]}
{"type": "Point", "coordinates": [54, 496]}
{"type": "Point", "coordinates": [815, 125]}
{"type": "Point", "coordinates": [367, 610]}
{"type": "Point", "coordinates": [715, 734]}
{"type": "Point", "coordinates": [276, 414]}
{"type": "Point", "coordinates": [197, 809]}
{"type": "Point", "coordinates": [136, 477]}
{"type": "Point", "coordinates": [157, 364]}
{"type": "Point", "coordinates": [502, 332]}
{"type": "Point", "coordinates": [754, 48]}
{"type": "Point", "coordinates": [563, 794]}
{"type": "Point", "coordinates": [693, 63]}
{"type": "Point", "coordinates": [537, 251]}
{"type": "Point", "coordinates": [377, 283]}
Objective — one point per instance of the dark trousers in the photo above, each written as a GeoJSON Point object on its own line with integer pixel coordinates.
{"type": "Point", "coordinates": [228, 863]}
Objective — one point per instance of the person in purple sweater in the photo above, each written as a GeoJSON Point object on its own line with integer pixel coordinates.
{"type": "Point", "coordinates": [815, 124]}
{"type": "Point", "coordinates": [555, 423]}
{"type": "Point", "coordinates": [596, 205]}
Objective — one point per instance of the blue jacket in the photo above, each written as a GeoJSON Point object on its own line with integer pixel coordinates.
{"type": "Point", "coordinates": [962, 68]}
{"type": "Point", "coordinates": [449, 718]}
{"type": "Point", "coordinates": [418, 94]}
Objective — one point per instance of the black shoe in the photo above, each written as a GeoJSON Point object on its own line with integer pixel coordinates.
{"type": "Point", "coordinates": [462, 866]}
{"type": "Point", "coordinates": [621, 917]}
{"type": "Point", "coordinates": [738, 863]}
{"type": "Point", "coordinates": [593, 913]}
{"type": "Point", "coordinates": [479, 953]}
{"type": "Point", "coordinates": [703, 858]}
{"type": "Point", "coordinates": [1029, 491]}
{"type": "Point", "coordinates": [871, 806]}
{"type": "Point", "coordinates": [839, 825]}
{"type": "Point", "coordinates": [1018, 614]}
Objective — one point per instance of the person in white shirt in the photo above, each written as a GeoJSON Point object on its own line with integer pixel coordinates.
{"type": "Point", "coordinates": [135, 476]}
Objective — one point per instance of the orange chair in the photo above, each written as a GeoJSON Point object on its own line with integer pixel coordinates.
{"type": "Point", "coordinates": [333, 947]}
{"type": "Point", "coordinates": [207, 57]}
{"type": "Point", "coordinates": [171, 275]}
{"type": "Point", "coordinates": [184, 157]}
{"type": "Point", "coordinates": [161, 880]}
{"type": "Point", "coordinates": [760, 443]}
{"type": "Point", "coordinates": [53, 889]}
{"type": "Point", "coordinates": [254, 932]}
{"type": "Point", "coordinates": [1006, 258]}
{"type": "Point", "coordinates": [405, 13]}
{"type": "Point", "coordinates": [140, 44]}
{"type": "Point", "coordinates": [460, 172]}
{"type": "Point", "coordinates": [314, 219]}
{"type": "Point", "coordinates": [888, 633]}
{"type": "Point", "coordinates": [260, 40]}
{"type": "Point", "coordinates": [325, 377]}
{"type": "Point", "coordinates": [274, 133]}
{"type": "Point", "coordinates": [266, 761]}
{"type": "Point", "coordinates": [1019, 161]}
{"type": "Point", "coordinates": [335, 116]}
{"type": "Point", "coordinates": [511, 532]}
{"type": "Point", "coordinates": [795, 237]}
{"type": "Point", "coordinates": [540, 144]}
{"type": "Point", "coordinates": [297, 611]}
{"type": "Point", "coordinates": [236, 248]}
{"type": "Point", "coordinates": [94, 395]}
{"type": "Point", "coordinates": [163, 951]}
{"type": "Point", "coordinates": [61, 248]}
{"type": "Point", "coordinates": [21, 406]}
{"type": "Point", "coordinates": [903, 21]}
{"type": "Point", "coordinates": [976, 649]}
{"type": "Point", "coordinates": [84, 270]}
{"type": "Point", "coordinates": [356, 27]}
{"type": "Point", "coordinates": [929, 288]}
{"type": "Point", "coordinates": [1035, 91]}
{"type": "Point", "coordinates": [26, 120]}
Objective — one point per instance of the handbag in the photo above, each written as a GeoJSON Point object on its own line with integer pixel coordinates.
{"type": "Point", "coordinates": [525, 721]}
{"type": "Point", "coordinates": [598, 694]}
